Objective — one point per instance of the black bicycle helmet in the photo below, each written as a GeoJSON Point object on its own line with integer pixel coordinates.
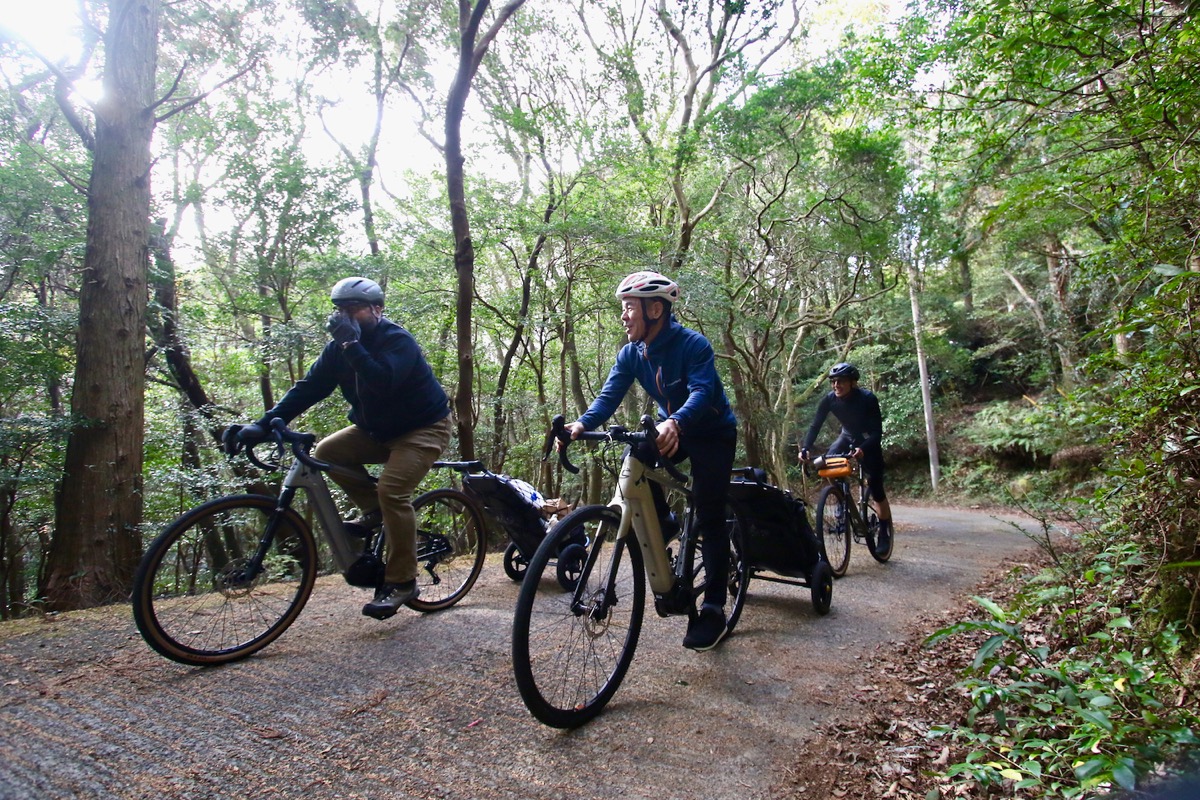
{"type": "Point", "coordinates": [356, 290]}
{"type": "Point", "coordinates": [844, 370]}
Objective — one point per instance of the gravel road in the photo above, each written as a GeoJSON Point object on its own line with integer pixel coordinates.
{"type": "Point", "coordinates": [344, 707]}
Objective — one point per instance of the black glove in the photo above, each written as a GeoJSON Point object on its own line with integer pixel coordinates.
{"type": "Point", "coordinates": [342, 328]}
{"type": "Point", "coordinates": [238, 436]}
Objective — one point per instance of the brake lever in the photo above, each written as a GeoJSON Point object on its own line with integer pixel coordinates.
{"type": "Point", "coordinates": [651, 430]}
{"type": "Point", "coordinates": [558, 430]}
{"type": "Point", "coordinates": [277, 428]}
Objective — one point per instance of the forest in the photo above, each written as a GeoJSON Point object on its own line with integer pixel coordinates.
{"type": "Point", "coordinates": [989, 206]}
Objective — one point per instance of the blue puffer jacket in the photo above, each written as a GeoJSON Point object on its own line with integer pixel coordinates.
{"type": "Point", "coordinates": [679, 371]}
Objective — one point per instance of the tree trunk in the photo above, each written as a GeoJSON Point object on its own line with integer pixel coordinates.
{"type": "Point", "coordinates": [97, 542]}
{"type": "Point", "coordinates": [12, 555]}
{"type": "Point", "coordinates": [469, 55]}
{"type": "Point", "coordinates": [963, 259]}
{"type": "Point", "coordinates": [165, 330]}
{"type": "Point", "coordinates": [935, 469]}
{"type": "Point", "coordinates": [1058, 267]}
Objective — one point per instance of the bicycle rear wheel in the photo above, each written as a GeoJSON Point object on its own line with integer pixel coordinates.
{"type": "Point", "coordinates": [202, 596]}
{"type": "Point", "coordinates": [571, 650]}
{"type": "Point", "coordinates": [833, 528]}
{"type": "Point", "coordinates": [738, 580]}
{"type": "Point", "coordinates": [450, 548]}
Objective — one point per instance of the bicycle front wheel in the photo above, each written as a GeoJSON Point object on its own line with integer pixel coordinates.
{"type": "Point", "coordinates": [833, 528]}
{"type": "Point", "coordinates": [224, 580]}
{"type": "Point", "coordinates": [450, 548]}
{"type": "Point", "coordinates": [571, 649]}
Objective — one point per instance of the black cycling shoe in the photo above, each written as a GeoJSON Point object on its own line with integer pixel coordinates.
{"type": "Point", "coordinates": [883, 539]}
{"type": "Point", "coordinates": [706, 630]}
{"type": "Point", "coordinates": [389, 599]}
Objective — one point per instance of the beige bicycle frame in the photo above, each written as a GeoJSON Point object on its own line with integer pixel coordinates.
{"type": "Point", "coordinates": [634, 501]}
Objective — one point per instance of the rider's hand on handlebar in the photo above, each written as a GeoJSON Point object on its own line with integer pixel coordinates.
{"type": "Point", "coordinates": [668, 437]}
{"type": "Point", "coordinates": [858, 453]}
{"type": "Point", "coordinates": [804, 455]}
{"type": "Point", "coordinates": [238, 436]}
{"type": "Point", "coordinates": [573, 428]}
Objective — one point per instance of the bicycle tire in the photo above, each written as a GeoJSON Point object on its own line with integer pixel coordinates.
{"type": "Point", "coordinates": [833, 528]}
{"type": "Point", "coordinates": [820, 585]}
{"type": "Point", "coordinates": [451, 548]}
{"type": "Point", "coordinates": [569, 660]}
{"type": "Point", "coordinates": [192, 599]}
{"type": "Point", "coordinates": [514, 563]}
{"type": "Point", "coordinates": [738, 581]}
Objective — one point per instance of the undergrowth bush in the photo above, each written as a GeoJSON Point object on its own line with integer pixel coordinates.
{"type": "Point", "coordinates": [1085, 683]}
{"type": "Point", "coordinates": [1069, 694]}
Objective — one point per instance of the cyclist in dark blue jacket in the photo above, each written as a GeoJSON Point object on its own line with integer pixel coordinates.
{"type": "Point", "coordinates": [858, 411]}
{"type": "Point", "coordinates": [677, 368]}
{"type": "Point", "coordinates": [400, 416]}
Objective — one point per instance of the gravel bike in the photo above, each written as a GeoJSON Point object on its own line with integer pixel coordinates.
{"type": "Point", "coordinates": [844, 512]}
{"type": "Point", "coordinates": [571, 649]}
{"type": "Point", "coordinates": [225, 579]}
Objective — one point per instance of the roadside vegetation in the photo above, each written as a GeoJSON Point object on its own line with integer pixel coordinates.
{"type": "Point", "coordinates": [989, 206]}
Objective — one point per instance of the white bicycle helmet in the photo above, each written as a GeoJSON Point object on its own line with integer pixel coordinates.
{"type": "Point", "coordinates": [648, 284]}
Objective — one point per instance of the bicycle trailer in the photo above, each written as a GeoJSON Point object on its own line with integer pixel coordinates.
{"type": "Point", "coordinates": [520, 510]}
{"type": "Point", "coordinates": [778, 536]}
{"type": "Point", "coordinates": [514, 504]}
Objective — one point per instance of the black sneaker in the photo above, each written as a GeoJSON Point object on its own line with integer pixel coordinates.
{"type": "Point", "coordinates": [706, 630]}
{"type": "Point", "coordinates": [389, 599]}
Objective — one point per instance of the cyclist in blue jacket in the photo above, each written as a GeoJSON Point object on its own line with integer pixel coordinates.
{"type": "Point", "coordinates": [400, 417]}
{"type": "Point", "coordinates": [677, 368]}
{"type": "Point", "coordinates": [861, 436]}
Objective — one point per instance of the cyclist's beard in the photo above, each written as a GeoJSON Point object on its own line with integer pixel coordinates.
{"type": "Point", "coordinates": [368, 326]}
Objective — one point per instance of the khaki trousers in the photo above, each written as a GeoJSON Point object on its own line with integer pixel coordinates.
{"type": "Point", "coordinates": [406, 460]}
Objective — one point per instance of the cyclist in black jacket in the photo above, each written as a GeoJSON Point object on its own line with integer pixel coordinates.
{"type": "Point", "coordinates": [862, 435]}
{"type": "Point", "coordinates": [400, 416]}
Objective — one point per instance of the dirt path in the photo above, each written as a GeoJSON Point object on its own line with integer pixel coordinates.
{"type": "Point", "coordinates": [424, 706]}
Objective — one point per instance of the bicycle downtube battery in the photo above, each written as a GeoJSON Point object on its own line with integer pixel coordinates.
{"type": "Point", "coordinates": [634, 493]}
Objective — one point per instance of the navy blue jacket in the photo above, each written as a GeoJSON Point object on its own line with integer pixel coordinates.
{"type": "Point", "coordinates": [862, 421]}
{"type": "Point", "coordinates": [384, 377]}
{"type": "Point", "coordinates": [677, 369]}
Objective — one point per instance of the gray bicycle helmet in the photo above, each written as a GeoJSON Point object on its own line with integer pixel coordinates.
{"type": "Point", "coordinates": [844, 370]}
{"type": "Point", "coordinates": [356, 290]}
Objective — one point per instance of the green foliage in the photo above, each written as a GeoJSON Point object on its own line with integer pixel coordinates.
{"type": "Point", "coordinates": [1020, 433]}
{"type": "Point", "coordinates": [1153, 425]}
{"type": "Point", "coordinates": [1069, 694]}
